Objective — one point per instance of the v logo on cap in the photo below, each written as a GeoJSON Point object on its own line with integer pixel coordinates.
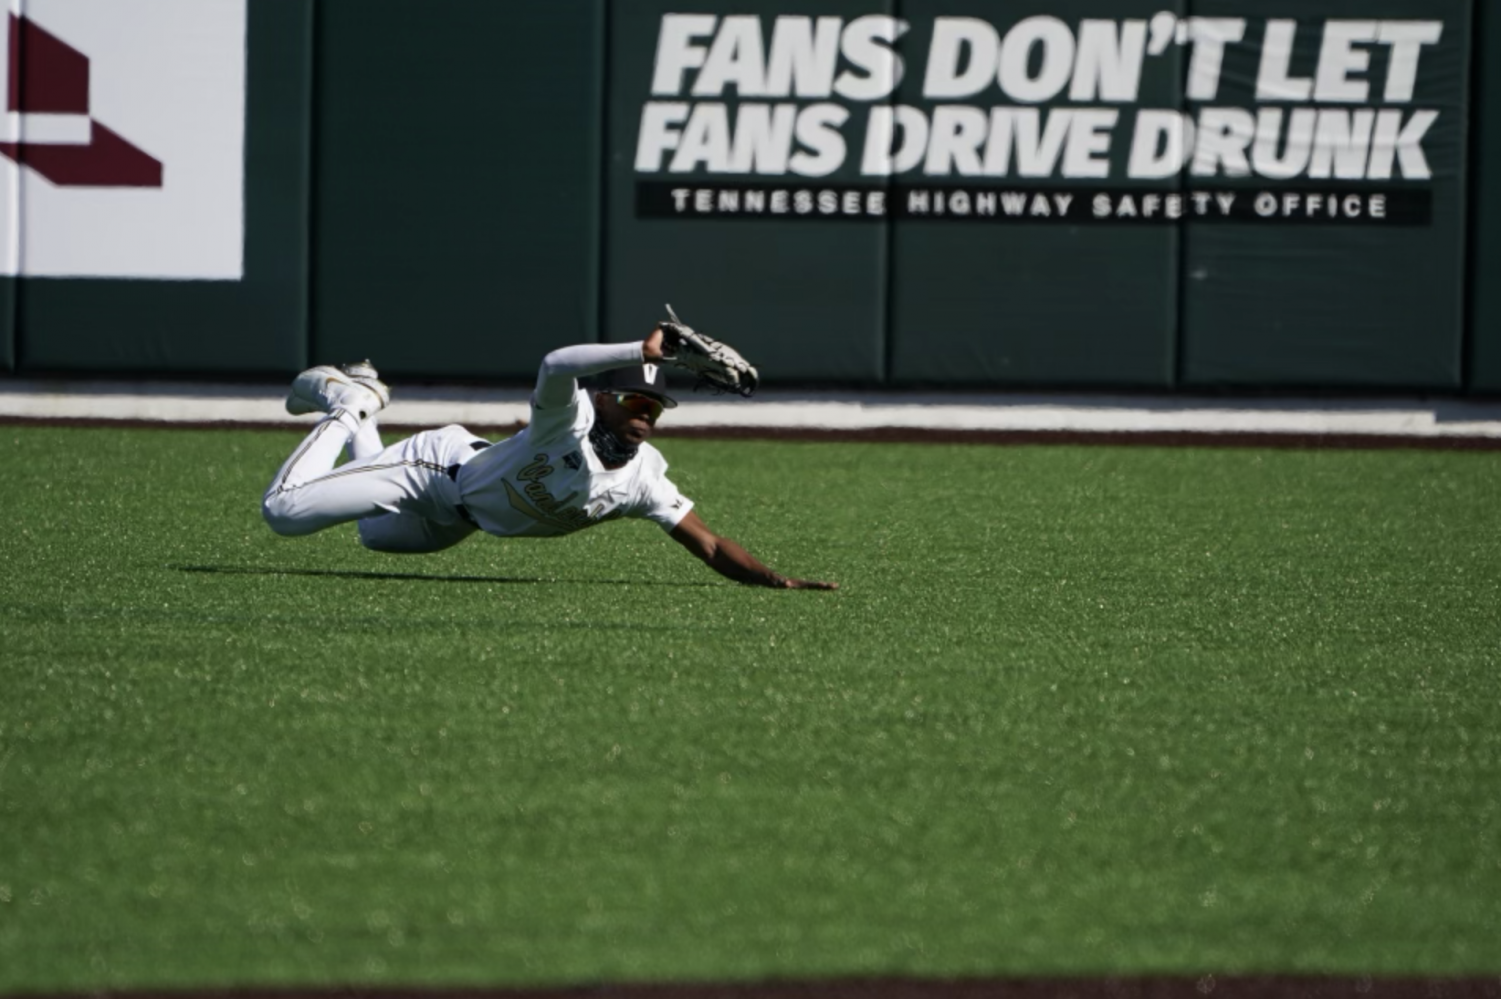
{"type": "Point", "coordinates": [650, 370]}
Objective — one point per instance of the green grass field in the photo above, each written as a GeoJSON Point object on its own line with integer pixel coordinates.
{"type": "Point", "coordinates": [1075, 710]}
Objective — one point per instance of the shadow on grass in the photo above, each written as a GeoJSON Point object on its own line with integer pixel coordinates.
{"type": "Point", "coordinates": [236, 570]}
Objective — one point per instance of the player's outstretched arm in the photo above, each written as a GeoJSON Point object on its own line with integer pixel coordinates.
{"type": "Point", "coordinates": [733, 562]}
{"type": "Point", "coordinates": [557, 379]}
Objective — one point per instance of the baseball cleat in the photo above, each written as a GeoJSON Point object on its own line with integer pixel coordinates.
{"type": "Point", "coordinates": [364, 373]}
{"type": "Point", "coordinates": [327, 389]}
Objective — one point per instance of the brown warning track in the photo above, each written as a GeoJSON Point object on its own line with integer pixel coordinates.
{"type": "Point", "coordinates": [1247, 987]}
{"type": "Point", "coordinates": [890, 435]}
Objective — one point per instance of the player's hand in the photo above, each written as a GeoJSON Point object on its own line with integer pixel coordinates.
{"type": "Point", "coordinates": [807, 584]}
{"type": "Point", "coordinates": [651, 348]}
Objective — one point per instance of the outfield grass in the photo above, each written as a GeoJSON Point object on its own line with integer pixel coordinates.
{"type": "Point", "coordinates": [1075, 710]}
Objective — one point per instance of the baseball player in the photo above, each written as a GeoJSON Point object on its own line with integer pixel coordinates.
{"type": "Point", "coordinates": [583, 459]}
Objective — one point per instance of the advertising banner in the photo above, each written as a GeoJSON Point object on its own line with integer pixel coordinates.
{"type": "Point", "coordinates": [122, 138]}
{"type": "Point", "coordinates": [1062, 186]}
{"type": "Point", "coordinates": [975, 114]}
{"type": "Point", "coordinates": [200, 267]}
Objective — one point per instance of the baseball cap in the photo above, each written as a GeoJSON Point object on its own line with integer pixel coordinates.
{"type": "Point", "coordinates": [647, 379]}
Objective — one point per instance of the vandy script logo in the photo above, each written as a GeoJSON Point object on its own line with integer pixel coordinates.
{"type": "Point", "coordinates": [46, 125]}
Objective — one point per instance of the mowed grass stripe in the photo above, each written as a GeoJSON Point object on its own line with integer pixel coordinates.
{"type": "Point", "coordinates": [1075, 710]}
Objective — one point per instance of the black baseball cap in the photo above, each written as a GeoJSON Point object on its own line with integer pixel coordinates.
{"type": "Point", "coordinates": [647, 379]}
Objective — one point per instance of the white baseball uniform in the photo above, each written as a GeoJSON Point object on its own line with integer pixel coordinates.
{"type": "Point", "coordinates": [433, 490]}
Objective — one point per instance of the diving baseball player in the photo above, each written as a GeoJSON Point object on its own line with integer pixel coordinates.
{"type": "Point", "coordinates": [583, 459]}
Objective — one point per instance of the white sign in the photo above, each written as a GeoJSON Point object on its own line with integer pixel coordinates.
{"type": "Point", "coordinates": [122, 138]}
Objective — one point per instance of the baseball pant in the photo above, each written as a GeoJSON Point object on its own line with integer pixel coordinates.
{"type": "Point", "coordinates": [403, 496]}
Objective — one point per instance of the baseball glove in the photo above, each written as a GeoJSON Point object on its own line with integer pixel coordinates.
{"type": "Point", "coordinates": [716, 364]}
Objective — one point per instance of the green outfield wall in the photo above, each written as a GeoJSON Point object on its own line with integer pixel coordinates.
{"type": "Point", "coordinates": [1339, 305]}
{"type": "Point", "coordinates": [1155, 194]}
{"type": "Point", "coordinates": [1484, 272]}
{"type": "Point", "coordinates": [7, 324]}
{"type": "Point", "coordinates": [456, 221]}
{"type": "Point", "coordinates": [806, 299]}
{"type": "Point", "coordinates": [974, 302]}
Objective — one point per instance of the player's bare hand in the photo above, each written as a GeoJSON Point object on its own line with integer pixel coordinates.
{"type": "Point", "coordinates": [807, 584]}
{"type": "Point", "coordinates": [651, 347]}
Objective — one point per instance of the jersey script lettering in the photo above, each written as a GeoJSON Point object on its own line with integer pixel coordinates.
{"type": "Point", "coordinates": [541, 505]}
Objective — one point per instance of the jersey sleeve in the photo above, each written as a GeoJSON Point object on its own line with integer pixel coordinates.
{"type": "Point", "coordinates": [575, 417]}
{"type": "Point", "coordinates": [559, 405]}
{"type": "Point", "coordinates": [662, 503]}
{"type": "Point", "coordinates": [557, 379]}
{"type": "Point", "coordinates": [657, 499]}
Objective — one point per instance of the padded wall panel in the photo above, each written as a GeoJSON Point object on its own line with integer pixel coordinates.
{"type": "Point", "coordinates": [1057, 299]}
{"type": "Point", "coordinates": [1356, 304]}
{"type": "Point", "coordinates": [7, 324]}
{"type": "Point", "coordinates": [10, 217]}
{"type": "Point", "coordinates": [10, 250]}
{"type": "Point", "coordinates": [803, 294]}
{"type": "Point", "coordinates": [456, 227]}
{"type": "Point", "coordinates": [254, 324]}
{"type": "Point", "coordinates": [1485, 200]}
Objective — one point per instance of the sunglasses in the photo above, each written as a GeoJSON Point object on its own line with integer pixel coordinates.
{"type": "Point", "coordinates": [641, 405]}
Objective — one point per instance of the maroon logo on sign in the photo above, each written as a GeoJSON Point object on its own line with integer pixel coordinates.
{"type": "Point", "coordinates": [49, 128]}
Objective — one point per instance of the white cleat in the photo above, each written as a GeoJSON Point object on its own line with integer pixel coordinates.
{"type": "Point", "coordinates": [360, 369]}
{"type": "Point", "coordinates": [327, 389]}
{"type": "Point", "coordinates": [364, 373]}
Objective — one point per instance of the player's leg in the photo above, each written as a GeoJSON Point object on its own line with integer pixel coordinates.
{"type": "Point", "coordinates": [318, 452]}
{"type": "Point", "coordinates": [411, 533]}
{"type": "Point", "coordinates": [435, 523]}
{"type": "Point", "coordinates": [366, 442]}
{"type": "Point", "coordinates": [410, 478]}
{"type": "Point", "coordinates": [309, 494]}
{"type": "Point", "coordinates": [350, 401]}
